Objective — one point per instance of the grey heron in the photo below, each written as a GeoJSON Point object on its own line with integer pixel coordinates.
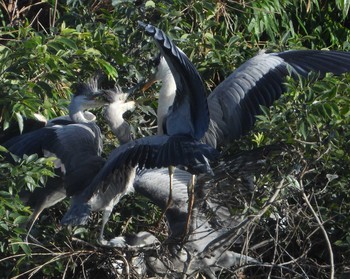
{"type": "Point", "coordinates": [211, 223]}
{"type": "Point", "coordinates": [119, 184]}
{"type": "Point", "coordinates": [242, 104]}
{"type": "Point", "coordinates": [236, 101]}
{"type": "Point", "coordinates": [186, 123]}
{"type": "Point", "coordinates": [74, 140]}
{"type": "Point", "coordinates": [258, 81]}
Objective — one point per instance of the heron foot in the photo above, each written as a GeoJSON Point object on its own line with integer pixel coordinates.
{"type": "Point", "coordinates": [117, 242]}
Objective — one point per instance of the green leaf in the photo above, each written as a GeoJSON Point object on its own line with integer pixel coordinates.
{"type": "Point", "coordinates": [92, 52]}
{"type": "Point", "coordinates": [302, 130]}
{"type": "Point", "coordinates": [26, 249]}
{"type": "Point", "coordinates": [31, 158]}
{"type": "Point", "coordinates": [19, 121]}
{"type": "Point", "coordinates": [3, 149]}
{"type": "Point", "coordinates": [150, 4]}
{"type": "Point", "coordinates": [110, 70]}
{"type": "Point", "coordinates": [4, 226]}
{"type": "Point", "coordinates": [20, 220]}
{"type": "Point", "coordinates": [67, 42]}
{"type": "Point", "coordinates": [344, 6]}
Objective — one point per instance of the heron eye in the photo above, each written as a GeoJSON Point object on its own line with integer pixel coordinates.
{"type": "Point", "coordinates": [156, 61]}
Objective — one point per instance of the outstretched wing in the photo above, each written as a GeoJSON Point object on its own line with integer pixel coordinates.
{"type": "Point", "coordinates": [189, 114]}
{"type": "Point", "coordinates": [155, 152]}
{"type": "Point", "coordinates": [149, 152]}
{"type": "Point", "coordinates": [235, 102]}
{"type": "Point", "coordinates": [186, 124]}
{"type": "Point", "coordinates": [77, 146]}
{"type": "Point", "coordinates": [31, 142]}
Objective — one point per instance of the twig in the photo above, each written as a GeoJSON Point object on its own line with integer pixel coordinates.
{"type": "Point", "coordinates": [275, 248]}
{"type": "Point", "coordinates": [329, 245]}
{"type": "Point", "coordinates": [127, 267]}
{"type": "Point", "coordinates": [84, 243]}
{"type": "Point", "coordinates": [54, 14]}
{"type": "Point", "coordinates": [248, 220]}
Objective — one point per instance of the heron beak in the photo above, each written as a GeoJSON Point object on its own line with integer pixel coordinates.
{"type": "Point", "coordinates": [149, 83]}
{"type": "Point", "coordinates": [134, 89]}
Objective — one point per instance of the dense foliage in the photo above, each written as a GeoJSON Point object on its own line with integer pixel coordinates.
{"type": "Point", "coordinates": [48, 46]}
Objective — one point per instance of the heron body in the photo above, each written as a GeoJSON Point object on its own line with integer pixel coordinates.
{"type": "Point", "coordinates": [117, 183]}
{"type": "Point", "coordinates": [76, 145]}
{"type": "Point", "coordinates": [232, 106]}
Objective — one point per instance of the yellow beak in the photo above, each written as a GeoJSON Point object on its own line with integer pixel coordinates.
{"type": "Point", "coordinates": [149, 83]}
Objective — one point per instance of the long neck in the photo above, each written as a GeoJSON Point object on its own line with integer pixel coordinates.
{"type": "Point", "coordinates": [76, 111]}
{"type": "Point", "coordinates": [78, 116]}
{"type": "Point", "coordinates": [114, 116]}
{"type": "Point", "coordinates": [166, 99]}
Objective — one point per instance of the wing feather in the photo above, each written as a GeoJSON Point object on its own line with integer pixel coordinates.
{"type": "Point", "coordinates": [235, 102]}
{"type": "Point", "coordinates": [189, 113]}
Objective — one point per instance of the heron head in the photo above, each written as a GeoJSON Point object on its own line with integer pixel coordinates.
{"type": "Point", "coordinates": [87, 95]}
{"type": "Point", "coordinates": [115, 95]}
{"type": "Point", "coordinates": [114, 111]}
{"type": "Point", "coordinates": [161, 72]}
{"type": "Point", "coordinates": [117, 102]}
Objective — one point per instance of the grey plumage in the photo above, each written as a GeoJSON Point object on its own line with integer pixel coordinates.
{"type": "Point", "coordinates": [117, 183]}
{"type": "Point", "coordinates": [206, 250]}
{"type": "Point", "coordinates": [232, 106]}
{"type": "Point", "coordinates": [179, 146]}
{"type": "Point", "coordinates": [234, 103]}
{"type": "Point", "coordinates": [77, 147]}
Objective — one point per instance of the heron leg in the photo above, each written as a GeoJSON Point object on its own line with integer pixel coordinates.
{"type": "Point", "coordinates": [190, 189]}
{"type": "Point", "coordinates": [170, 197]}
{"type": "Point", "coordinates": [31, 221]}
{"type": "Point", "coordinates": [106, 214]}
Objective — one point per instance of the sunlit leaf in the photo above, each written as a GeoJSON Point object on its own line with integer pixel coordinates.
{"type": "Point", "coordinates": [19, 121]}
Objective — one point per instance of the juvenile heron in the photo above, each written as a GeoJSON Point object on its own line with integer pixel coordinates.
{"type": "Point", "coordinates": [74, 140]}
{"type": "Point", "coordinates": [114, 187]}
{"type": "Point", "coordinates": [234, 104]}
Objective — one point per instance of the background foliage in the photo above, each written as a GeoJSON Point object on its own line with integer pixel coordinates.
{"type": "Point", "coordinates": [47, 46]}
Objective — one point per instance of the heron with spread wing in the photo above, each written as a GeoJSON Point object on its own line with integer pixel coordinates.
{"type": "Point", "coordinates": [236, 101]}
{"type": "Point", "coordinates": [186, 123]}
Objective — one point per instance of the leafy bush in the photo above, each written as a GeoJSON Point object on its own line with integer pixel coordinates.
{"type": "Point", "coordinates": [305, 230]}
